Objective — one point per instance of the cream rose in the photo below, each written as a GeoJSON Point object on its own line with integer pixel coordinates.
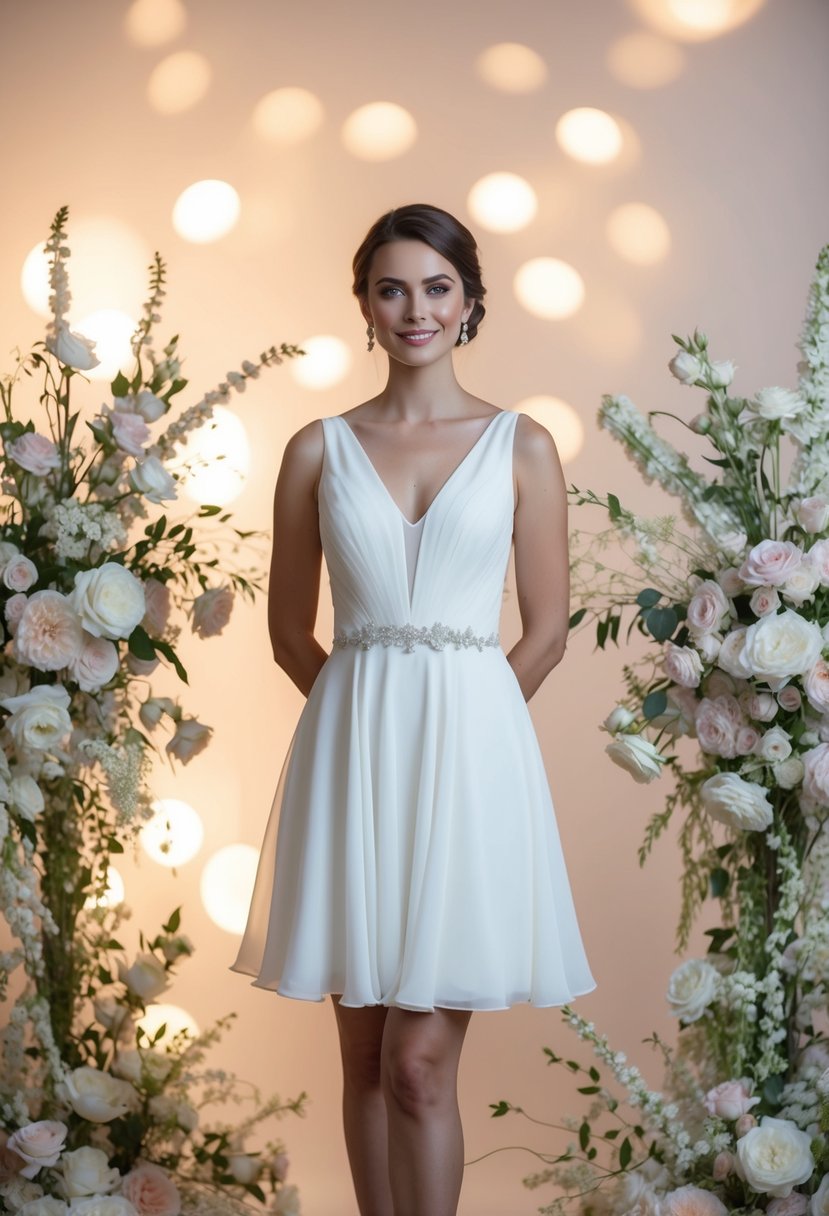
{"type": "Point", "coordinates": [617, 719]}
{"type": "Point", "coordinates": [98, 1097]}
{"type": "Point", "coordinates": [38, 718]}
{"type": "Point", "coordinates": [771, 563]}
{"type": "Point", "coordinates": [15, 607]}
{"type": "Point", "coordinates": [708, 645]}
{"type": "Point", "coordinates": [812, 513]}
{"type": "Point", "coordinates": [96, 664]}
{"type": "Point", "coordinates": [636, 756]}
{"type": "Point", "coordinates": [775, 745]}
{"type": "Point", "coordinates": [730, 1099]}
{"type": "Point", "coordinates": [34, 453]}
{"type": "Point", "coordinates": [147, 977]}
{"type": "Point", "coordinates": [103, 1205]}
{"type": "Point", "coordinates": [109, 600]}
{"type": "Point", "coordinates": [764, 600]}
{"type": "Point", "coordinates": [152, 480]}
{"type": "Point", "coordinates": [816, 773]}
{"type": "Point", "coordinates": [717, 722]}
{"type": "Point", "coordinates": [20, 573]}
{"type": "Point", "coordinates": [785, 644]}
{"type": "Point", "coordinates": [49, 633]}
{"type": "Point", "coordinates": [683, 665]}
{"type": "Point", "coordinates": [761, 706]}
{"type": "Point", "coordinates": [788, 773]}
{"type": "Point", "coordinates": [795, 1204]}
{"type": "Point", "coordinates": [692, 1201]}
{"type": "Point", "coordinates": [686, 367]}
{"type": "Point", "coordinates": [816, 686]}
{"type": "Point", "coordinates": [287, 1202]}
{"type": "Point", "coordinates": [47, 1205]}
{"type": "Point", "coordinates": [151, 1191]}
{"type": "Point", "coordinates": [731, 655]}
{"type": "Point", "coordinates": [39, 1144]}
{"type": "Point", "coordinates": [26, 796]}
{"type": "Point", "coordinates": [820, 1200]}
{"type": "Point", "coordinates": [191, 737]}
{"type": "Point", "coordinates": [211, 611]}
{"type": "Point", "coordinates": [244, 1168]}
{"type": "Point", "coordinates": [737, 803]}
{"type": "Point", "coordinates": [819, 557]}
{"type": "Point", "coordinates": [691, 989]}
{"type": "Point", "coordinates": [72, 350]}
{"type": "Point", "coordinates": [87, 1171]}
{"type": "Point", "coordinates": [708, 607]}
{"type": "Point", "coordinates": [802, 585]}
{"type": "Point", "coordinates": [775, 1157]}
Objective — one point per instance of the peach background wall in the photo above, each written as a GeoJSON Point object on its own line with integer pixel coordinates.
{"type": "Point", "coordinates": [732, 153]}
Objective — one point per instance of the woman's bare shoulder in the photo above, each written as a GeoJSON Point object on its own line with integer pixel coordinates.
{"type": "Point", "coordinates": [534, 444]}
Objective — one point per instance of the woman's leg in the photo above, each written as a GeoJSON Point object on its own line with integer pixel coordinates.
{"type": "Point", "coordinates": [421, 1052]}
{"type": "Point", "coordinates": [364, 1107]}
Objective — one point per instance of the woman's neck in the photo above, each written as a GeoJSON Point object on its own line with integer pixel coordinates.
{"type": "Point", "coordinates": [419, 393]}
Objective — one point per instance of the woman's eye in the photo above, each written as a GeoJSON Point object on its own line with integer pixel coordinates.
{"type": "Point", "coordinates": [440, 288]}
{"type": "Point", "coordinates": [389, 291]}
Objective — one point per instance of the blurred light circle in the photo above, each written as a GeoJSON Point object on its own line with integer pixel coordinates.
{"type": "Point", "coordinates": [638, 233]}
{"type": "Point", "coordinates": [379, 131]}
{"type": "Point", "coordinates": [512, 68]}
{"type": "Point", "coordinates": [589, 135]}
{"type": "Point", "coordinates": [111, 330]}
{"type": "Point", "coordinates": [694, 20]}
{"type": "Point", "coordinates": [288, 116]}
{"type": "Point", "coordinates": [549, 288]}
{"type": "Point", "coordinates": [173, 1017]}
{"type": "Point", "coordinates": [152, 22]}
{"type": "Point", "coordinates": [214, 463]}
{"type": "Point", "coordinates": [502, 202]}
{"type": "Point", "coordinates": [107, 268]}
{"type": "Point", "coordinates": [645, 61]}
{"type": "Point", "coordinates": [112, 894]}
{"type": "Point", "coordinates": [560, 419]}
{"type": "Point", "coordinates": [179, 82]}
{"type": "Point", "coordinates": [227, 885]}
{"type": "Point", "coordinates": [327, 361]}
{"type": "Point", "coordinates": [175, 833]}
{"type": "Point", "coordinates": [206, 211]}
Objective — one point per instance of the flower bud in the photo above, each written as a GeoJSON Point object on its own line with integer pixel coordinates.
{"type": "Point", "coordinates": [744, 1124]}
{"type": "Point", "coordinates": [723, 1166]}
{"type": "Point", "coordinates": [701, 424]}
{"type": "Point", "coordinates": [617, 719]}
{"type": "Point", "coordinates": [721, 374]}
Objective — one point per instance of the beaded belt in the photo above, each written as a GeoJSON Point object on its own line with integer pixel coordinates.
{"type": "Point", "coordinates": [436, 636]}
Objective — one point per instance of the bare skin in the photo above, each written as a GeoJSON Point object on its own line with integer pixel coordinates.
{"type": "Point", "coordinates": [402, 1126]}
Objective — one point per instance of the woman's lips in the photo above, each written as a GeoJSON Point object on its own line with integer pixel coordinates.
{"type": "Point", "coordinates": [417, 337]}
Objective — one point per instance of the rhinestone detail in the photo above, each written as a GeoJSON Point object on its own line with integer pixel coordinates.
{"type": "Point", "coordinates": [436, 636]}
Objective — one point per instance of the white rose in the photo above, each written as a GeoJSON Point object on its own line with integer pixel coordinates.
{"type": "Point", "coordinates": [127, 1066]}
{"type": "Point", "coordinates": [683, 665]}
{"type": "Point", "coordinates": [812, 513]}
{"type": "Point", "coordinates": [816, 686]}
{"type": "Point", "coordinates": [191, 737]}
{"type": "Point", "coordinates": [49, 633]}
{"type": "Point", "coordinates": [211, 611]}
{"type": "Point", "coordinates": [130, 433]}
{"type": "Point", "coordinates": [98, 1097]}
{"type": "Point", "coordinates": [109, 600]}
{"type": "Point", "coordinates": [771, 563]}
{"type": "Point", "coordinates": [692, 1201]}
{"type": "Point", "coordinates": [149, 406]}
{"type": "Point", "coordinates": [816, 773]}
{"type": "Point", "coordinates": [708, 645]}
{"type": "Point", "coordinates": [47, 1205]}
{"type": "Point", "coordinates": [819, 1205]}
{"type": "Point", "coordinates": [775, 745]}
{"type": "Point", "coordinates": [20, 573]}
{"type": "Point", "coordinates": [26, 796]}
{"type": "Point", "coordinates": [146, 978]}
{"type": "Point", "coordinates": [687, 368]}
{"type": "Point", "coordinates": [721, 373]}
{"type": "Point", "coordinates": [691, 989]}
{"type": "Point", "coordinates": [707, 608]}
{"type": "Point", "coordinates": [785, 644]}
{"type": "Point", "coordinates": [775, 404]}
{"type": "Point", "coordinates": [731, 656]}
{"type": "Point", "coordinates": [38, 718]}
{"type": "Point", "coordinates": [775, 1156]}
{"type": "Point", "coordinates": [87, 1171]}
{"type": "Point", "coordinates": [96, 664]}
{"type": "Point", "coordinates": [244, 1168]}
{"type": "Point", "coordinates": [730, 581]}
{"type": "Point", "coordinates": [788, 773]}
{"type": "Point", "coordinates": [15, 607]}
{"type": "Point", "coordinates": [818, 555]}
{"type": "Point", "coordinates": [39, 1144]}
{"type": "Point", "coordinates": [636, 756]}
{"type": "Point", "coordinates": [287, 1202]}
{"type": "Point", "coordinates": [737, 803]}
{"type": "Point", "coordinates": [801, 586]}
{"type": "Point", "coordinates": [102, 1205]}
{"type": "Point", "coordinates": [34, 453]}
{"type": "Point", "coordinates": [617, 719]}
{"type": "Point", "coordinates": [73, 350]}
{"type": "Point", "coordinates": [761, 706]}
{"type": "Point", "coordinates": [152, 480]}
{"type": "Point", "coordinates": [764, 600]}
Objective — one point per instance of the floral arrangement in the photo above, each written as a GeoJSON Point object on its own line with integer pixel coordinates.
{"type": "Point", "coordinates": [97, 1116]}
{"type": "Point", "coordinates": [732, 697]}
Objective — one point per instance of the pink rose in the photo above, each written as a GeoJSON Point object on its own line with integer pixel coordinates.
{"type": "Point", "coordinates": [819, 557]}
{"type": "Point", "coordinates": [150, 1191]}
{"type": "Point", "coordinates": [770, 563]}
{"type": "Point", "coordinates": [744, 1125]}
{"type": "Point", "coordinates": [761, 706]}
{"type": "Point", "coordinates": [718, 720]}
{"type": "Point", "coordinates": [211, 611]}
{"type": "Point", "coordinates": [20, 573]}
{"type": "Point", "coordinates": [789, 698]}
{"type": "Point", "coordinates": [722, 1167]}
{"type": "Point", "coordinates": [730, 1100]}
{"type": "Point", "coordinates": [11, 1163]}
{"type": "Point", "coordinates": [683, 665]}
{"type": "Point", "coordinates": [692, 1201]}
{"type": "Point", "coordinates": [191, 737]}
{"type": "Point", "coordinates": [34, 453]}
{"type": "Point", "coordinates": [795, 1204]}
{"type": "Point", "coordinates": [816, 773]}
{"type": "Point", "coordinates": [14, 609]}
{"type": "Point", "coordinates": [707, 607]}
{"type": "Point", "coordinates": [39, 1144]}
{"type": "Point", "coordinates": [279, 1166]}
{"type": "Point", "coordinates": [156, 607]}
{"type": "Point", "coordinates": [96, 664]}
{"type": "Point", "coordinates": [130, 433]}
{"type": "Point", "coordinates": [812, 513]}
{"type": "Point", "coordinates": [764, 600]}
{"type": "Point", "coordinates": [141, 667]}
{"type": "Point", "coordinates": [49, 633]}
{"type": "Point", "coordinates": [747, 739]}
{"type": "Point", "coordinates": [730, 581]}
{"type": "Point", "coordinates": [816, 686]}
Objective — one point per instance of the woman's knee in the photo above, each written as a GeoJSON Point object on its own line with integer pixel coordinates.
{"type": "Point", "coordinates": [415, 1080]}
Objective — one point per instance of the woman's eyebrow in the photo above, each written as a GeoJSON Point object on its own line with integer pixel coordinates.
{"type": "Point", "coordinates": [435, 278]}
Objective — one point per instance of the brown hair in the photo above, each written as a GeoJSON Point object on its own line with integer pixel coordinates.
{"type": "Point", "coordinates": [440, 230]}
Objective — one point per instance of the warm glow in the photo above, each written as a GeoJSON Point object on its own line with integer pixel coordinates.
{"type": "Point", "coordinates": [639, 233]}
{"type": "Point", "coordinates": [227, 885]}
{"type": "Point", "coordinates": [560, 419]}
{"type": "Point", "coordinates": [645, 61]}
{"type": "Point", "coordinates": [589, 135]}
{"type": "Point", "coordinates": [111, 330]}
{"type": "Point", "coordinates": [512, 68]}
{"type": "Point", "coordinates": [112, 894]}
{"type": "Point", "coordinates": [173, 1017]}
{"type": "Point", "coordinates": [549, 288]}
{"type": "Point", "coordinates": [379, 131]}
{"type": "Point", "coordinates": [175, 833]}
{"type": "Point", "coordinates": [107, 269]}
{"type": "Point", "coordinates": [215, 461]}
{"type": "Point", "coordinates": [179, 82]}
{"type": "Point", "coordinates": [152, 22]}
{"type": "Point", "coordinates": [694, 20]}
{"type": "Point", "coordinates": [288, 116]}
{"type": "Point", "coordinates": [502, 202]}
{"type": "Point", "coordinates": [206, 211]}
{"type": "Point", "coordinates": [327, 361]}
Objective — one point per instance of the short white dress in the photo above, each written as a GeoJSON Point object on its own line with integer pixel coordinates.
{"type": "Point", "coordinates": [412, 856]}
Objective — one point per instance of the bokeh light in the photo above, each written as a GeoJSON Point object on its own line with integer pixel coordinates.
{"type": "Point", "coordinates": [107, 268]}
{"type": "Point", "coordinates": [206, 211]}
{"type": "Point", "coordinates": [549, 288]}
{"type": "Point", "coordinates": [179, 82]}
{"type": "Point", "coordinates": [112, 894]}
{"type": "Point", "coordinates": [379, 131]}
{"type": "Point", "coordinates": [560, 419]}
{"type": "Point", "coordinates": [227, 885]}
{"type": "Point", "coordinates": [111, 330]}
{"type": "Point", "coordinates": [173, 1017]}
{"type": "Point", "coordinates": [326, 362]}
{"type": "Point", "coordinates": [639, 233]}
{"type": "Point", "coordinates": [645, 61]}
{"type": "Point", "coordinates": [502, 202]}
{"type": "Point", "coordinates": [174, 834]}
{"type": "Point", "coordinates": [512, 67]}
{"type": "Point", "coordinates": [213, 465]}
{"type": "Point", "coordinates": [153, 22]}
{"type": "Point", "coordinates": [288, 116]}
{"type": "Point", "coordinates": [694, 20]}
{"type": "Point", "coordinates": [589, 135]}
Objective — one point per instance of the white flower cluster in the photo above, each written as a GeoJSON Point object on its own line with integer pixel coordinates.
{"type": "Point", "coordinates": [83, 530]}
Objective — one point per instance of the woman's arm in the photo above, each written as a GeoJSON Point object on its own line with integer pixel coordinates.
{"type": "Point", "coordinates": [542, 569]}
{"type": "Point", "coordinates": [293, 588]}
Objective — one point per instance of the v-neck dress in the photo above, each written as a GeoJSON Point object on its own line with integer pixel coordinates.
{"type": "Point", "coordinates": [412, 857]}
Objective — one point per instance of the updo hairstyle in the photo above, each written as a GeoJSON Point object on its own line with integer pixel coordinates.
{"type": "Point", "coordinates": [440, 230]}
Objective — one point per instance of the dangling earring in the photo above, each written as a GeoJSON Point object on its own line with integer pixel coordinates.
{"type": "Point", "coordinates": [370, 336]}
{"type": "Point", "coordinates": [464, 334]}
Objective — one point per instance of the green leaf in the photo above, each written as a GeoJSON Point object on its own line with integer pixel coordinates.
{"type": "Point", "coordinates": [28, 830]}
{"type": "Point", "coordinates": [648, 597]}
{"type": "Point", "coordinates": [625, 1153]}
{"type": "Point", "coordinates": [577, 617]}
{"type": "Point", "coordinates": [612, 1133]}
{"type": "Point", "coordinates": [584, 1135]}
{"type": "Point", "coordinates": [594, 1074]}
{"type": "Point", "coordinates": [654, 704]}
{"type": "Point", "coordinates": [719, 882]}
{"type": "Point", "coordinates": [614, 507]}
{"type": "Point", "coordinates": [256, 1191]}
{"type": "Point", "coordinates": [206, 510]}
{"type": "Point", "coordinates": [772, 1090]}
{"type": "Point", "coordinates": [589, 1089]}
{"type": "Point", "coordinates": [120, 386]}
{"type": "Point", "coordinates": [141, 645]}
{"type": "Point", "coordinates": [499, 1108]}
{"type": "Point", "coordinates": [660, 623]}
{"type": "Point", "coordinates": [173, 923]}
{"type": "Point", "coordinates": [166, 649]}
{"type": "Point", "coordinates": [114, 845]}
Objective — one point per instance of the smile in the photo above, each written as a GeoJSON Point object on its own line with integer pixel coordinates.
{"type": "Point", "coordinates": [418, 337]}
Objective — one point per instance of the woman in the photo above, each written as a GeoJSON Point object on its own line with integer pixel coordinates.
{"type": "Point", "coordinates": [417, 874]}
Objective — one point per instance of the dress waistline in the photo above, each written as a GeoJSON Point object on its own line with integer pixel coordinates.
{"type": "Point", "coordinates": [436, 636]}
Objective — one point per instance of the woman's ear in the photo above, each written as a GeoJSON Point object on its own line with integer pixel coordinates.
{"type": "Point", "coordinates": [365, 310]}
{"type": "Point", "coordinates": [467, 310]}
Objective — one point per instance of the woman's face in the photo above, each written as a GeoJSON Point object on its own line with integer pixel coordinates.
{"type": "Point", "coordinates": [415, 302]}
